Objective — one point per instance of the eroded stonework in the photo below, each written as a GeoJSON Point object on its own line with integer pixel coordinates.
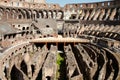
{"type": "Point", "coordinates": [33, 33]}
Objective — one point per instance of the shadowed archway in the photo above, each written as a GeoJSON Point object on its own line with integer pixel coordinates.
{"type": "Point", "coordinates": [16, 74]}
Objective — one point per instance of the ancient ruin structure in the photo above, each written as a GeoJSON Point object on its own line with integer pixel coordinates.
{"type": "Point", "coordinates": [40, 41]}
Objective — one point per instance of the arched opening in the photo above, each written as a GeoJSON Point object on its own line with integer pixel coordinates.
{"type": "Point", "coordinates": [73, 16]}
{"type": "Point", "coordinates": [25, 14]}
{"type": "Point", "coordinates": [14, 14]}
{"type": "Point", "coordinates": [41, 14]}
{"type": "Point", "coordinates": [23, 67]}
{"type": "Point", "coordinates": [34, 14]}
{"type": "Point", "coordinates": [23, 28]}
{"type": "Point", "coordinates": [1, 14]}
{"type": "Point", "coordinates": [48, 78]}
{"type": "Point", "coordinates": [50, 14]}
{"type": "Point", "coordinates": [54, 14]}
{"type": "Point", "coordinates": [47, 26]}
{"type": "Point", "coordinates": [7, 13]}
{"type": "Point", "coordinates": [60, 15]}
{"type": "Point", "coordinates": [5, 72]}
{"type": "Point", "coordinates": [37, 14]}
{"type": "Point", "coordinates": [38, 32]}
{"type": "Point", "coordinates": [45, 14]}
{"type": "Point", "coordinates": [16, 74]}
{"type": "Point", "coordinates": [27, 28]}
{"type": "Point", "coordinates": [22, 14]}
{"type": "Point", "coordinates": [19, 16]}
{"type": "Point", "coordinates": [28, 13]}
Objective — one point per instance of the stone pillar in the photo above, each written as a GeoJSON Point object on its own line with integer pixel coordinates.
{"type": "Point", "coordinates": [49, 68]}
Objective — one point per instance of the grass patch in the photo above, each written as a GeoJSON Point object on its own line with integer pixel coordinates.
{"type": "Point", "coordinates": [59, 62]}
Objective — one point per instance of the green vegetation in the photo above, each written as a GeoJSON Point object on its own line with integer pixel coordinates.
{"type": "Point", "coordinates": [60, 61]}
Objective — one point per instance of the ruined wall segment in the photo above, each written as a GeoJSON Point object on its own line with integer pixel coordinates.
{"type": "Point", "coordinates": [40, 1]}
{"type": "Point", "coordinates": [33, 33]}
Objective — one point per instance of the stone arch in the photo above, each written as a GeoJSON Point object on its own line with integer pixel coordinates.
{"type": "Point", "coordinates": [21, 14]}
{"type": "Point", "coordinates": [107, 14]}
{"type": "Point", "coordinates": [24, 13]}
{"type": "Point", "coordinates": [54, 14]}
{"type": "Point", "coordinates": [23, 28]}
{"type": "Point", "coordinates": [41, 14]}
{"type": "Point", "coordinates": [7, 13]}
{"type": "Point", "coordinates": [27, 13]}
{"type": "Point", "coordinates": [116, 17]}
{"type": "Point", "coordinates": [102, 13]}
{"type": "Point", "coordinates": [14, 13]}
{"type": "Point", "coordinates": [1, 12]}
{"type": "Point", "coordinates": [60, 14]}
{"type": "Point", "coordinates": [112, 13]}
{"type": "Point", "coordinates": [30, 14]}
{"type": "Point", "coordinates": [35, 14]}
{"type": "Point", "coordinates": [1, 9]}
{"type": "Point", "coordinates": [50, 14]}
{"type": "Point", "coordinates": [45, 14]}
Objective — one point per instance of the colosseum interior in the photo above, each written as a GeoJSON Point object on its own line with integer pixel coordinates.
{"type": "Point", "coordinates": [42, 41]}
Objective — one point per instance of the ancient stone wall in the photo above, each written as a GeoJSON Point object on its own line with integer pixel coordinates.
{"type": "Point", "coordinates": [86, 35]}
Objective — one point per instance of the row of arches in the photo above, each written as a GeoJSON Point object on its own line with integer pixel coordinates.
{"type": "Point", "coordinates": [9, 67]}
{"type": "Point", "coordinates": [106, 31]}
{"type": "Point", "coordinates": [91, 5]}
{"type": "Point", "coordinates": [21, 13]}
{"type": "Point", "coordinates": [94, 14]}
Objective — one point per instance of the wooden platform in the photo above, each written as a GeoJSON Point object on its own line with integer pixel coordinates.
{"type": "Point", "coordinates": [59, 40]}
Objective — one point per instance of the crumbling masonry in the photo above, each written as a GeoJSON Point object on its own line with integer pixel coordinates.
{"type": "Point", "coordinates": [33, 33]}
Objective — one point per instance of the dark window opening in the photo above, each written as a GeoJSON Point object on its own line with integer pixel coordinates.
{"type": "Point", "coordinates": [5, 36]}
{"type": "Point", "coordinates": [48, 78]}
{"type": "Point", "coordinates": [18, 25]}
{"type": "Point", "coordinates": [27, 28]}
{"type": "Point", "coordinates": [34, 16]}
{"type": "Point", "coordinates": [38, 32]}
{"type": "Point", "coordinates": [20, 16]}
{"type": "Point", "coordinates": [73, 17]}
{"type": "Point", "coordinates": [23, 28]}
{"type": "Point", "coordinates": [5, 1]}
{"type": "Point", "coordinates": [9, 36]}
{"type": "Point", "coordinates": [27, 32]}
{"type": "Point", "coordinates": [13, 25]}
{"type": "Point", "coordinates": [16, 74]}
{"type": "Point", "coordinates": [47, 26]}
{"type": "Point", "coordinates": [31, 32]}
